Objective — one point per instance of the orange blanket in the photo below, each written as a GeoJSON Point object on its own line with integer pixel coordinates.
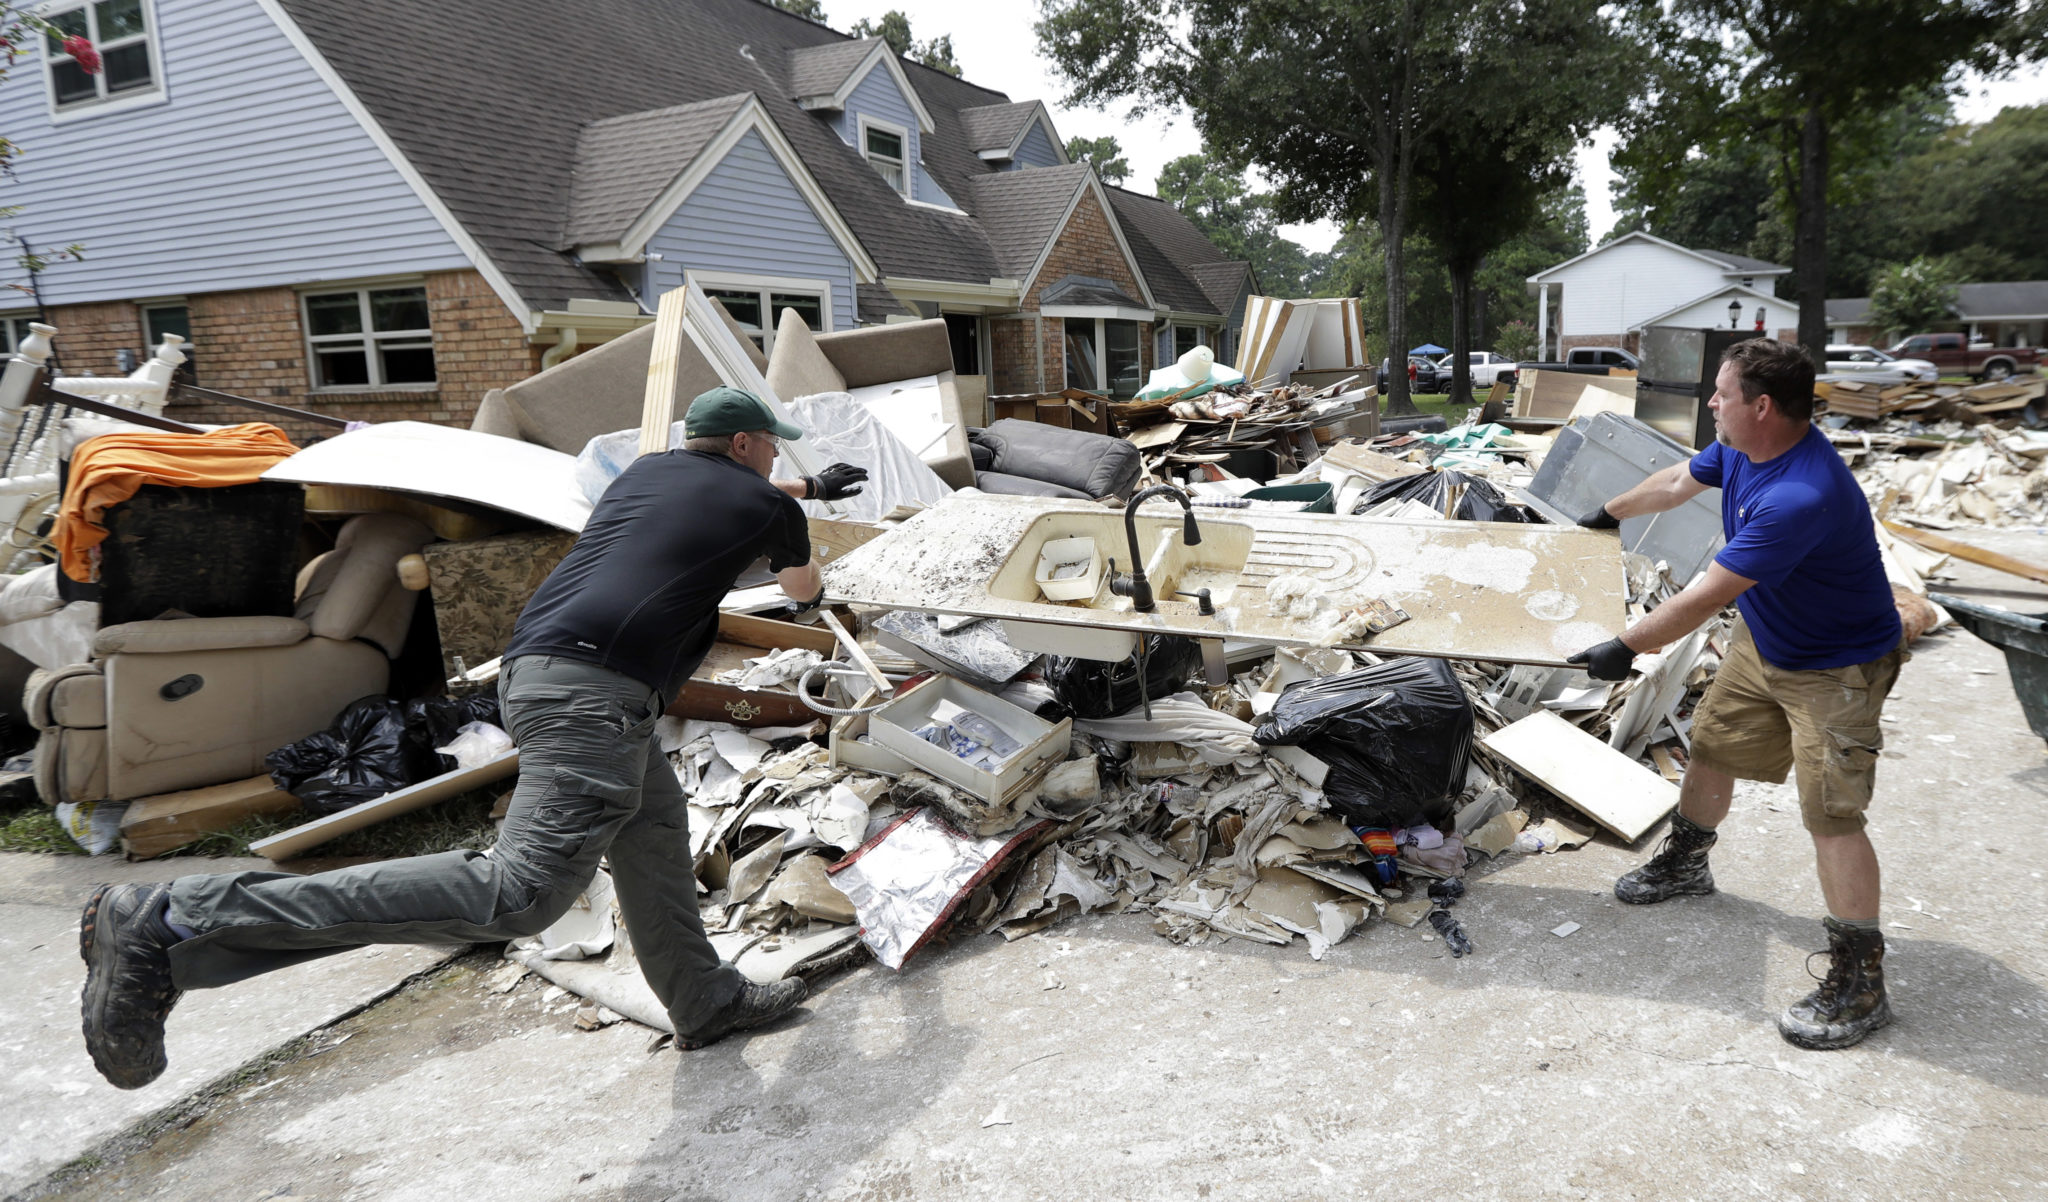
{"type": "Point", "coordinates": [107, 470]}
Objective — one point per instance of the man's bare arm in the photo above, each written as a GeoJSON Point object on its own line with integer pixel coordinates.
{"type": "Point", "coordinates": [803, 583]}
{"type": "Point", "coordinates": [1666, 490]}
{"type": "Point", "coordinates": [1683, 614]}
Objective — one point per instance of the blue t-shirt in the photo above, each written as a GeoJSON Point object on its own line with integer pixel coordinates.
{"type": "Point", "coordinates": [1799, 526]}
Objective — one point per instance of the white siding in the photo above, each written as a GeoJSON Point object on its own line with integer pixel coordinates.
{"type": "Point", "coordinates": [252, 174]}
{"type": "Point", "coordinates": [1618, 288]}
{"type": "Point", "coordinates": [1712, 312]}
{"type": "Point", "coordinates": [748, 217]}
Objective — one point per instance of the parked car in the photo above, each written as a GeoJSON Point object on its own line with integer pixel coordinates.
{"type": "Point", "coordinates": [1587, 360]}
{"type": "Point", "coordinates": [1487, 367]}
{"type": "Point", "coordinates": [1954, 354]}
{"type": "Point", "coordinates": [1867, 362]}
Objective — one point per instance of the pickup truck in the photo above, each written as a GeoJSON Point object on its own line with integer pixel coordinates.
{"type": "Point", "coordinates": [1486, 368]}
{"type": "Point", "coordinates": [1586, 360]}
{"type": "Point", "coordinates": [1953, 354]}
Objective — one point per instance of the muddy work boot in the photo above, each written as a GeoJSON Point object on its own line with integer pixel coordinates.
{"type": "Point", "coordinates": [124, 940]}
{"type": "Point", "coordinates": [1678, 868]}
{"type": "Point", "coordinates": [1850, 1002]}
{"type": "Point", "coordinates": [754, 1006]}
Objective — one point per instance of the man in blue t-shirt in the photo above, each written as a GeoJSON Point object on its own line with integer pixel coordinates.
{"type": "Point", "coordinates": [1816, 652]}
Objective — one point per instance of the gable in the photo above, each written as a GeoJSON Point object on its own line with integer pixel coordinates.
{"type": "Point", "coordinates": [1087, 245]}
{"type": "Point", "coordinates": [254, 173]}
{"type": "Point", "coordinates": [1037, 149]}
{"type": "Point", "coordinates": [748, 216]}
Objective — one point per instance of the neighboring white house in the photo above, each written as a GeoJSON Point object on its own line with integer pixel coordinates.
{"type": "Point", "coordinates": [1610, 294]}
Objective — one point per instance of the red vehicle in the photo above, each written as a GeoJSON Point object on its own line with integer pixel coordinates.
{"type": "Point", "coordinates": [1953, 354]}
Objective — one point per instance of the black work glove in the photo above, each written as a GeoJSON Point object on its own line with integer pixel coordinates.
{"type": "Point", "coordinates": [1600, 519]}
{"type": "Point", "coordinates": [1608, 661]}
{"type": "Point", "coordinates": [839, 481]}
{"type": "Point", "coordinates": [794, 608]}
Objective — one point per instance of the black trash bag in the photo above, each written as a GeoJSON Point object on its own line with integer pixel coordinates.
{"type": "Point", "coordinates": [362, 756]}
{"type": "Point", "coordinates": [1478, 501]}
{"type": "Point", "coordinates": [1396, 737]}
{"type": "Point", "coordinates": [432, 722]}
{"type": "Point", "coordinates": [1093, 688]}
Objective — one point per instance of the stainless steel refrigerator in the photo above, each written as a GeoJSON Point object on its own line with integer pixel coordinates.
{"type": "Point", "coordinates": [1677, 379]}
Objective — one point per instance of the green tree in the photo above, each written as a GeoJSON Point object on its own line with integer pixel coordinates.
{"type": "Point", "coordinates": [1103, 154]}
{"type": "Point", "coordinates": [1911, 298]}
{"type": "Point", "coordinates": [1517, 340]}
{"type": "Point", "coordinates": [894, 28]}
{"type": "Point", "coordinates": [1797, 76]}
{"type": "Point", "coordinates": [1333, 100]}
{"type": "Point", "coordinates": [20, 28]}
{"type": "Point", "coordinates": [809, 10]}
{"type": "Point", "coordinates": [1238, 220]}
{"type": "Point", "coordinates": [1978, 196]}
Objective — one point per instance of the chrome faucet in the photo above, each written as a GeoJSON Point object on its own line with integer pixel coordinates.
{"type": "Point", "coordinates": [1134, 585]}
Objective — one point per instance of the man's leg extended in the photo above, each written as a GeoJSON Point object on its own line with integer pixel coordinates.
{"type": "Point", "coordinates": [1849, 875]}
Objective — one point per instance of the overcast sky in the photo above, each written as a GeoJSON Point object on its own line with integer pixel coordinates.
{"type": "Point", "coordinates": [994, 44]}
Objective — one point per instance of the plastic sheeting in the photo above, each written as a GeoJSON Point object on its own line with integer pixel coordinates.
{"type": "Point", "coordinates": [905, 882]}
{"type": "Point", "coordinates": [838, 429]}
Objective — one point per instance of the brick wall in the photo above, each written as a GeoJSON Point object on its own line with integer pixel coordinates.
{"type": "Point", "coordinates": [1013, 342]}
{"type": "Point", "coordinates": [1087, 246]}
{"type": "Point", "coordinates": [1627, 342]}
{"type": "Point", "coordinates": [251, 343]}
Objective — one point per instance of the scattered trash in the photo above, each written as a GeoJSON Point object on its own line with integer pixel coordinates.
{"type": "Point", "coordinates": [1564, 929]}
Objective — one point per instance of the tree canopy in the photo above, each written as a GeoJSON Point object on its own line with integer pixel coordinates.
{"type": "Point", "coordinates": [809, 10]}
{"type": "Point", "coordinates": [1238, 220]}
{"type": "Point", "coordinates": [1103, 154]}
{"type": "Point", "coordinates": [894, 28]}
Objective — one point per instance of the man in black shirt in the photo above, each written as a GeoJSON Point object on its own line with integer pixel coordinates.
{"type": "Point", "coordinates": [608, 639]}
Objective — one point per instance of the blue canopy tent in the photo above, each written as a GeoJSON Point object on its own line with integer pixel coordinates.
{"type": "Point", "coordinates": [1430, 348]}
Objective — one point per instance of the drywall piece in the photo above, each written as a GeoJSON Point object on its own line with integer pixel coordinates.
{"type": "Point", "coordinates": [1554, 394]}
{"type": "Point", "coordinates": [154, 825]}
{"type": "Point", "coordinates": [1663, 683]}
{"type": "Point", "coordinates": [1604, 784]}
{"type": "Point", "coordinates": [1356, 459]}
{"type": "Point", "coordinates": [1473, 590]}
{"type": "Point", "coordinates": [299, 839]}
{"type": "Point", "coordinates": [441, 461]}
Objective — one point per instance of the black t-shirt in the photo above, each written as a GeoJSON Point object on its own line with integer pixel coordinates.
{"type": "Point", "coordinates": [639, 591]}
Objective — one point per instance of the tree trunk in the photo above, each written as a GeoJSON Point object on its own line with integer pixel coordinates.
{"type": "Point", "coordinates": [1461, 334]}
{"type": "Point", "coordinates": [1810, 245]}
{"type": "Point", "coordinates": [1392, 238]}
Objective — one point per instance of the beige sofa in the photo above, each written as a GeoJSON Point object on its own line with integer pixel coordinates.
{"type": "Point", "coordinates": [180, 704]}
{"type": "Point", "coordinates": [602, 389]}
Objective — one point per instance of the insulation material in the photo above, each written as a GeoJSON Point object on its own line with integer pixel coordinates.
{"type": "Point", "coordinates": [837, 429]}
{"type": "Point", "coordinates": [907, 881]}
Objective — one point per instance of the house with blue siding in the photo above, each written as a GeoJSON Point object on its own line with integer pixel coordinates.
{"type": "Point", "coordinates": [342, 214]}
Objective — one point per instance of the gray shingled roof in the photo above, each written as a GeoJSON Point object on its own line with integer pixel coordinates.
{"type": "Point", "coordinates": [995, 126]}
{"type": "Point", "coordinates": [1740, 262]}
{"type": "Point", "coordinates": [2018, 298]}
{"type": "Point", "coordinates": [624, 163]}
{"type": "Point", "coordinates": [1223, 282]}
{"type": "Point", "coordinates": [1021, 210]}
{"type": "Point", "coordinates": [819, 70]}
{"type": "Point", "coordinates": [497, 129]}
{"type": "Point", "coordinates": [877, 304]}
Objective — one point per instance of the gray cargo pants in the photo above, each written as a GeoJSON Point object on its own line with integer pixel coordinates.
{"type": "Point", "coordinates": [592, 781]}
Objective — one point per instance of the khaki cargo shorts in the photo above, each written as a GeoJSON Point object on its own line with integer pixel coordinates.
{"type": "Point", "coordinates": [1757, 721]}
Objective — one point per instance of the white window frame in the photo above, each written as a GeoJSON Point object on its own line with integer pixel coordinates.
{"type": "Point", "coordinates": [13, 329]}
{"type": "Point", "coordinates": [904, 164]}
{"type": "Point", "coordinates": [1202, 338]}
{"type": "Point", "coordinates": [156, 93]}
{"type": "Point", "coordinates": [1102, 351]}
{"type": "Point", "coordinates": [767, 286]}
{"type": "Point", "coordinates": [369, 337]}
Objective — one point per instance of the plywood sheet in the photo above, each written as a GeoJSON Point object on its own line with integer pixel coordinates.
{"type": "Point", "coordinates": [1604, 784]}
{"type": "Point", "coordinates": [296, 841]}
{"type": "Point", "coordinates": [1472, 590]}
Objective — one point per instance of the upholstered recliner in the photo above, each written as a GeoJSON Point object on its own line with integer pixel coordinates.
{"type": "Point", "coordinates": [180, 704]}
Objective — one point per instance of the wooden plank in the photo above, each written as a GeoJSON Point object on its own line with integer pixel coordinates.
{"type": "Point", "coordinates": [831, 539]}
{"type": "Point", "coordinates": [1556, 393]}
{"type": "Point", "coordinates": [860, 655]}
{"type": "Point", "coordinates": [1371, 464]}
{"type": "Point", "coordinates": [1156, 436]}
{"type": "Point", "coordinates": [155, 825]}
{"type": "Point", "coordinates": [1604, 784]}
{"type": "Point", "coordinates": [1976, 555]}
{"type": "Point", "coordinates": [300, 839]}
{"type": "Point", "coordinates": [769, 634]}
{"type": "Point", "coordinates": [658, 402]}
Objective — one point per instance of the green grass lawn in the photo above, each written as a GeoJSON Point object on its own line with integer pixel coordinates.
{"type": "Point", "coordinates": [1437, 403]}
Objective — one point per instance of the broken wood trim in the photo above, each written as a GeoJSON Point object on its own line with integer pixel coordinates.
{"type": "Point", "coordinates": [229, 398]}
{"type": "Point", "coordinates": [51, 396]}
{"type": "Point", "coordinates": [1962, 550]}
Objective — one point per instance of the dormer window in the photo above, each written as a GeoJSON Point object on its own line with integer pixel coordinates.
{"type": "Point", "coordinates": [883, 146]}
{"type": "Point", "coordinates": [124, 35]}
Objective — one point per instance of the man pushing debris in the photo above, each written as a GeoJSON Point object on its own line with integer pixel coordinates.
{"type": "Point", "coordinates": [608, 639]}
{"type": "Point", "coordinates": [1818, 648]}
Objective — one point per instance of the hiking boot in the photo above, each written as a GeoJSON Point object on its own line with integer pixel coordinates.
{"type": "Point", "coordinates": [1678, 868]}
{"type": "Point", "coordinates": [754, 1006]}
{"type": "Point", "coordinates": [1850, 1002]}
{"type": "Point", "coordinates": [124, 941]}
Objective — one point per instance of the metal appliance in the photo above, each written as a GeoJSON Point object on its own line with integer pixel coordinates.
{"type": "Point", "coordinates": [1677, 379]}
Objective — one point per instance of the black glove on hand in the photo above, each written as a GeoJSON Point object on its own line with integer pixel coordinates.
{"type": "Point", "coordinates": [1600, 519]}
{"type": "Point", "coordinates": [835, 483]}
{"type": "Point", "coordinates": [1608, 661]}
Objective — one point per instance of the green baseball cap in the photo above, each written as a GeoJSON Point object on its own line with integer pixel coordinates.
{"type": "Point", "coordinates": [733, 411]}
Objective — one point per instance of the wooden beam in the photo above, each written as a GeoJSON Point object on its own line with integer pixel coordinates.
{"type": "Point", "coordinates": [229, 398]}
{"type": "Point", "coordinates": [299, 839]}
{"type": "Point", "coordinates": [658, 403]}
{"type": "Point", "coordinates": [154, 825]}
{"type": "Point", "coordinates": [1976, 555]}
{"type": "Point", "coordinates": [859, 654]}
